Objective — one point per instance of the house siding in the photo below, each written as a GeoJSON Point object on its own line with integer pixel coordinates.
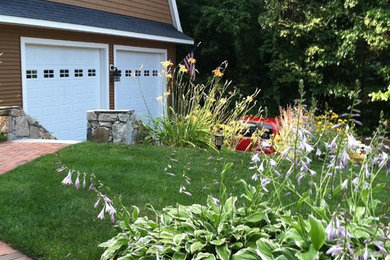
{"type": "Point", "coordinates": [155, 10]}
{"type": "Point", "coordinates": [10, 66]}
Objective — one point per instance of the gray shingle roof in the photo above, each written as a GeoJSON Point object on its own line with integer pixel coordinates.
{"type": "Point", "coordinates": [50, 11]}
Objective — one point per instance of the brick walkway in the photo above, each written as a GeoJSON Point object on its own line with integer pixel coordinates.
{"type": "Point", "coordinates": [13, 154]}
{"type": "Point", "coordinates": [8, 253]}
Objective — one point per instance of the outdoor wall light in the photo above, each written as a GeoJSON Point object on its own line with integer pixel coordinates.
{"type": "Point", "coordinates": [115, 73]}
{"type": "Point", "coordinates": [219, 137]}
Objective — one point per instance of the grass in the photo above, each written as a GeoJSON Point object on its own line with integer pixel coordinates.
{"type": "Point", "coordinates": [46, 220]}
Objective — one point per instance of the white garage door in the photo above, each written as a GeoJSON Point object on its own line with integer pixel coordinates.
{"type": "Point", "coordinates": [61, 84]}
{"type": "Point", "coordinates": [140, 83]}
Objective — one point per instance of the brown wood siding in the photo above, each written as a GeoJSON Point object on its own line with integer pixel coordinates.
{"type": "Point", "coordinates": [10, 66]}
{"type": "Point", "coordinates": [155, 10]}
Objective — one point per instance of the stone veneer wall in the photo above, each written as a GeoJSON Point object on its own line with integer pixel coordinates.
{"type": "Point", "coordinates": [16, 124]}
{"type": "Point", "coordinates": [113, 126]}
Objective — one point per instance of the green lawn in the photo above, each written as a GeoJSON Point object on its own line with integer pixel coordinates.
{"type": "Point", "coordinates": [46, 220]}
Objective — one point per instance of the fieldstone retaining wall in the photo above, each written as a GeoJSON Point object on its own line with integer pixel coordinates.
{"type": "Point", "coordinates": [16, 124]}
{"type": "Point", "coordinates": [113, 126]}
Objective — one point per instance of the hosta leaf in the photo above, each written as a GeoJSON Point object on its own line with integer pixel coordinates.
{"type": "Point", "coordinates": [265, 248]}
{"type": "Point", "coordinates": [255, 217]}
{"type": "Point", "coordinates": [223, 252]}
{"type": "Point", "coordinates": [312, 254]}
{"type": "Point", "coordinates": [218, 242]}
{"type": "Point", "coordinates": [284, 253]}
{"type": "Point", "coordinates": [378, 187]}
{"type": "Point", "coordinates": [196, 246]}
{"type": "Point", "coordinates": [293, 236]}
{"type": "Point", "coordinates": [178, 238]}
{"type": "Point", "coordinates": [317, 232]}
{"type": "Point", "coordinates": [149, 257]}
{"type": "Point", "coordinates": [364, 194]}
{"type": "Point", "coordinates": [246, 254]}
{"type": "Point", "coordinates": [179, 256]}
{"type": "Point", "coordinates": [236, 245]}
{"type": "Point", "coordinates": [204, 256]}
{"type": "Point", "coordinates": [229, 204]}
{"type": "Point", "coordinates": [135, 213]}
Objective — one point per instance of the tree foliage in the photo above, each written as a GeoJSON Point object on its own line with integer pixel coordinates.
{"type": "Point", "coordinates": [272, 44]}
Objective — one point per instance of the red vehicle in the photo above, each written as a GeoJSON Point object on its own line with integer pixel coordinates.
{"type": "Point", "coordinates": [270, 127]}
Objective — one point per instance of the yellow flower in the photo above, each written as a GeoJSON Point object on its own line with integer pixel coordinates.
{"type": "Point", "coordinates": [159, 98]}
{"type": "Point", "coordinates": [249, 98]}
{"type": "Point", "coordinates": [223, 100]}
{"type": "Point", "coordinates": [167, 93]}
{"type": "Point", "coordinates": [191, 60]}
{"type": "Point", "coordinates": [217, 72]}
{"type": "Point", "coordinates": [182, 68]}
{"type": "Point", "coordinates": [166, 63]}
{"type": "Point", "coordinates": [169, 75]}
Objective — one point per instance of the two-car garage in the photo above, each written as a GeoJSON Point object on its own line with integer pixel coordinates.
{"type": "Point", "coordinates": [61, 80]}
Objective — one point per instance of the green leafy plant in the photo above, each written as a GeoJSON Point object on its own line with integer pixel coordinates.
{"type": "Point", "coordinates": [199, 111]}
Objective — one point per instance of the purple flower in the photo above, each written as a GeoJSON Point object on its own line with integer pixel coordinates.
{"type": "Point", "coordinates": [77, 182]}
{"type": "Point", "coordinates": [91, 186]}
{"type": "Point", "coordinates": [381, 247]}
{"type": "Point", "coordinates": [365, 255]}
{"type": "Point", "coordinates": [264, 183]}
{"type": "Point", "coordinates": [261, 167]}
{"type": "Point", "coordinates": [344, 185]}
{"type": "Point", "coordinates": [272, 163]}
{"type": "Point", "coordinates": [288, 173]}
{"type": "Point", "coordinates": [284, 153]}
{"type": "Point", "coordinates": [215, 201]}
{"type": "Point", "coordinates": [183, 190]}
{"type": "Point", "coordinates": [61, 169]}
{"type": "Point", "coordinates": [109, 208]}
{"type": "Point", "coordinates": [112, 218]}
{"type": "Point", "coordinates": [337, 126]}
{"type": "Point", "coordinates": [84, 182]}
{"type": "Point", "coordinates": [304, 167]}
{"type": "Point", "coordinates": [384, 158]}
{"type": "Point", "coordinates": [101, 214]}
{"type": "Point", "coordinates": [345, 157]}
{"type": "Point", "coordinates": [255, 158]}
{"type": "Point", "coordinates": [68, 179]}
{"type": "Point", "coordinates": [300, 178]}
{"type": "Point", "coordinates": [333, 143]}
{"type": "Point", "coordinates": [330, 231]}
{"type": "Point", "coordinates": [352, 142]}
{"type": "Point", "coordinates": [357, 122]}
{"type": "Point", "coordinates": [335, 250]}
{"type": "Point", "coordinates": [255, 177]}
{"type": "Point", "coordinates": [306, 146]}
{"type": "Point", "coordinates": [277, 173]}
{"type": "Point", "coordinates": [318, 152]}
{"type": "Point", "coordinates": [97, 203]}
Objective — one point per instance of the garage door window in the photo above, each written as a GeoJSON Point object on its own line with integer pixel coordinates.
{"type": "Point", "coordinates": [48, 74]}
{"type": "Point", "coordinates": [78, 73]}
{"type": "Point", "coordinates": [64, 73]}
{"type": "Point", "coordinates": [31, 74]}
{"type": "Point", "coordinates": [128, 73]}
{"type": "Point", "coordinates": [91, 73]}
{"type": "Point", "coordinates": [155, 73]}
